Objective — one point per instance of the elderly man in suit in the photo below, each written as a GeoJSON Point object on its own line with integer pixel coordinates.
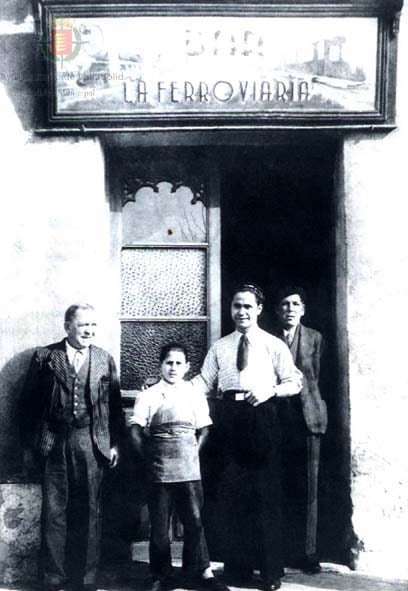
{"type": "Point", "coordinates": [71, 419]}
{"type": "Point", "coordinates": [304, 421]}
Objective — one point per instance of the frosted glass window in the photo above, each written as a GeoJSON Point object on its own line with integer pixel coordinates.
{"type": "Point", "coordinates": [162, 282]}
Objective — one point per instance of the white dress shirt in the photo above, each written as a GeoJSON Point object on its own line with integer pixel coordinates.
{"type": "Point", "coordinates": [270, 366]}
{"type": "Point", "coordinates": [171, 402]}
{"type": "Point", "coordinates": [76, 357]}
{"type": "Point", "coordinates": [289, 335]}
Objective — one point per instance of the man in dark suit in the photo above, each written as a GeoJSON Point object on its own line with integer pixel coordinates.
{"type": "Point", "coordinates": [304, 421]}
{"type": "Point", "coordinates": [71, 419]}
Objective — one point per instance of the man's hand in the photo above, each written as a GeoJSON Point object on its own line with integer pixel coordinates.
{"type": "Point", "coordinates": [114, 457]}
{"type": "Point", "coordinates": [202, 437]}
{"type": "Point", "coordinates": [256, 398]}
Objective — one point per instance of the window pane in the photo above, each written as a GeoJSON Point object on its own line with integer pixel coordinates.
{"type": "Point", "coordinates": [163, 282]}
{"type": "Point", "coordinates": [141, 343]}
{"type": "Point", "coordinates": [164, 216]}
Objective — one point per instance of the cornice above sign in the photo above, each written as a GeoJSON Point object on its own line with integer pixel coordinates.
{"type": "Point", "coordinates": [143, 65]}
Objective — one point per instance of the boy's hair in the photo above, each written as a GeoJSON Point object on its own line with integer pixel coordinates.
{"type": "Point", "coordinates": [173, 346]}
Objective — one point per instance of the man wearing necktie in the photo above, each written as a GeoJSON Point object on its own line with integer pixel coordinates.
{"type": "Point", "coordinates": [251, 368]}
{"type": "Point", "coordinates": [304, 421]}
{"type": "Point", "coordinates": [71, 419]}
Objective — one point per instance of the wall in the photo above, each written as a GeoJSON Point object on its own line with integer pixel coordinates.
{"type": "Point", "coordinates": [55, 241]}
{"type": "Point", "coordinates": [377, 295]}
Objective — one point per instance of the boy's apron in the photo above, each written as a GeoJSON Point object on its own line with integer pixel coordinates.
{"type": "Point", "coordinates": [172, 446]}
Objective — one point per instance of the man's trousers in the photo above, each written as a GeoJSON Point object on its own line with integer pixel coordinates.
{"type": "Point", "coordinates": [250, 488]}
{"type": "Point", "coordinates": [300, 473]}
{"type": "Point", "coordinates": [71, 510]}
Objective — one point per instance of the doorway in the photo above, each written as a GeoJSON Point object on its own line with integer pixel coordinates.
{"type": "Point", "coordinates": [279, 228]}
{"type": "Point", "coordinates": [270, 218]}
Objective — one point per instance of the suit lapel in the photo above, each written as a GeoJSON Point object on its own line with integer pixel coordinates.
{"type": "Point", "coordinates": [304, 346]}
{"type": "Point", "coordinates": [58, 362]}
{"type": "Point", "coordinates": [294, 347]}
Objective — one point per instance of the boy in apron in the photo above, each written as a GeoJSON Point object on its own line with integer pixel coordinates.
{"type": "Point", "coordinates": [168, 427]}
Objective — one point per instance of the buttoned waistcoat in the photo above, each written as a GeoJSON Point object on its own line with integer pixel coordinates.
{"type": "Point", "coordinates": [47, 380]}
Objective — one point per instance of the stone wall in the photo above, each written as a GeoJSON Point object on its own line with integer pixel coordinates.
{"type": "Point", "coordinates": [55, 234]}
{"type": "Point", "coordinates": [19, 532]}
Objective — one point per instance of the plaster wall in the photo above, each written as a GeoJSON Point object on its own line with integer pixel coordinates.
{"type": "Point", "coordinates": [56, 246]}
{"type": "Point", "coordinates": [377, 294]}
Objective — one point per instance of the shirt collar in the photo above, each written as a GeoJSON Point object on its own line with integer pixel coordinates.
{"type": "Point", "coordinates": [290, 331]}
{"type": "Point", "coordinates": [166, 387]}
{"type": "Point", "coordinates": [250, 335]}
{"type": "Point", "coordinates": [71, 351]}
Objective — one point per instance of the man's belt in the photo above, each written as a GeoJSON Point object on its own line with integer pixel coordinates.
{"type": "Point", "coordinates": [234, 395]}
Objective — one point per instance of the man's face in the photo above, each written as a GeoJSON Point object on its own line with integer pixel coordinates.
{"type": "Point", "coordinates": [174, 367]}
{"type": "Point", "coordinates": [290, 310]}
{"type": "Point", "coordinates": [245, 310]}
{"type": "Point", "coordinates": [81, 329]}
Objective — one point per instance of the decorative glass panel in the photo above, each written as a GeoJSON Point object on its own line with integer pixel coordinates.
{"type": "Point", "coordinates": [164, 216]}
{"type": "Point", "coordinates": [162, 282]}
{"type": "Point", "coordinates": [141, 343]}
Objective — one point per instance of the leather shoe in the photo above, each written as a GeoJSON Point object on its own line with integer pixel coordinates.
{"type": "Point", "coordinates": [239, 577]}
{"type": "Point", "coordinates": [307, 564]}
{"type": "Point", "coordinates": [212, 584]}
{"type": "Point", "coordinates": [311, 566]}
{"type": "Point", "coordinates": [168, 583]}
{"type": "Point", "coordinates": [271, 585]}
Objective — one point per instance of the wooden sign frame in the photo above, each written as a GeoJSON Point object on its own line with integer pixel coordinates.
{"type": "Point", "coordinates": [177, 65]}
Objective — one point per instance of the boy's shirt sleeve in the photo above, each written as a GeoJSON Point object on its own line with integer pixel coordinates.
{"type": "Point", "coordinates": [201, 408]}
{"type": "Point", "coordinates": [141, 409]}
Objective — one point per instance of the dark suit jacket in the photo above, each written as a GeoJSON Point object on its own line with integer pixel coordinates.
{"type": "Point", "coordinates": [47, 376]}
{"type": "Point", "coordinates": [307, 359]}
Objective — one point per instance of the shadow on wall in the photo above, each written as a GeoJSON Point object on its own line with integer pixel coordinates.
{"type": "Point", "coordinates": [12, 377]}
{"type": "Point", "coordinates": [21, 75]}
{"type": "Point", "coordinates": [20, 498]}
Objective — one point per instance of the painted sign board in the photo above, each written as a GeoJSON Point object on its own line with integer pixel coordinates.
{"type": "Point", "coordinates": [172, 67]}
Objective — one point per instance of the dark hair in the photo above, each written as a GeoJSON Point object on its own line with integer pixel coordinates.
{"type": "Point", "coordinates": [251, 288]}
{"type": "Point", "coordinates": [72, 310]}
{"type": "Point", "coordinates": [173, 346]}
{"type": "Point", "coordinates": [288, 290]}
